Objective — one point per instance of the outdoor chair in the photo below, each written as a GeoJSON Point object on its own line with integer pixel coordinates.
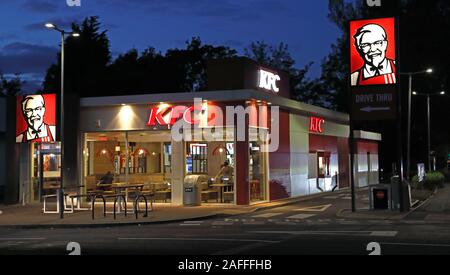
{"type": "Point", "coordinates": [208, 193]}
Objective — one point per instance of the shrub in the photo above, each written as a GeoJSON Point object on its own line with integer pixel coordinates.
{"type": "Point", "coordinates": [432, 180]}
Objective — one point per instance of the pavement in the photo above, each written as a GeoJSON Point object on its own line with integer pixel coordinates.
{"type": "Point", "coordinates": [321, 206]}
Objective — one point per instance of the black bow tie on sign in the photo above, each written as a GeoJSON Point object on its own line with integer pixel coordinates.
{"type": "Point", "coordinates": [36, 133]}
{"type": "Point", "coordinates": [377, 70]}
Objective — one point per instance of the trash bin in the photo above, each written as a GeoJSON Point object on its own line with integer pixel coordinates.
{"type": "Point", "coordinates": [192, 193]}
{"type": "Point", "coordinates": [380, 197]}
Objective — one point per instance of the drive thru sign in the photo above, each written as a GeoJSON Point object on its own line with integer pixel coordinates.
{"type": "Point", "coordinates": [373, 69]}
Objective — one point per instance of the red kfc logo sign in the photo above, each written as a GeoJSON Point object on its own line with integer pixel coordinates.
{"type": "Point", "coordinates": [373, 52]}
{"type": "Point", "coordinates": [168, 115]}
{"type": "Point", "coordinates": [36, 118]}
{"type": "Point", "coordinates": [316, 125]}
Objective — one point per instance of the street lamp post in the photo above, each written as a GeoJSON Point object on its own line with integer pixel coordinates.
{"type": "Point", "coordinates": [429, 121]}
{"type": "Point", "coordinates": [408, 136]}
{"type": "Point", "coordinates": [63, 37]}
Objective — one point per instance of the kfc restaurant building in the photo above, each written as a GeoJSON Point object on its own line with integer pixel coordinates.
{"type": "Point", "coordinates": [133, 138]}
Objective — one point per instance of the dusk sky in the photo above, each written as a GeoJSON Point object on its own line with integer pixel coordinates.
{"type": "Point", "coordinates": [26, 47]}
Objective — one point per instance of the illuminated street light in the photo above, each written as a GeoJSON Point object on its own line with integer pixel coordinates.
{"type": "Point", "coordinates": [63, 34]}
{"type": "Point", "coordinates": [408, 136]}
{"type": "Point", "coordinates": [429, 121]}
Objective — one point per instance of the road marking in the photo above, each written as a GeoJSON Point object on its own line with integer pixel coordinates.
{"type": "Point", "coordinates": [332, 233]}
{"type": "Point", "coordinates": [417, 244]}
{"type": "Point", "coordinates": [21, 239]}
{"type": "Point", "coordinates": [300, 217]}
{"type": "Point", "coordinates": [216, 223]}
{"type": "Point", "coordinates": [318, 208]}
{"type": "Point", "coordinates": [384, 233]}
{"type": "Point", "coordinates": [331, 197]}
{"type": "Point", "coordinates": [413, 222]}
{"type": "Point", "coordinates": [349, 222]}
{"type": "Point", "coordinates": [193, 222]}
{"type": "Point", "coordinates": [267, 215]}
{"type": "Point", "coordinates": [254, 223]}
{"type": "Point", "coordinates": [197, 239]}
{"type": "Point", "coordinates": [285, 223]}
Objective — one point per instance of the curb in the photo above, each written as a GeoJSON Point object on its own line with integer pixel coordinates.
{"type": "Point", "coordinates": [109, 225]}
{"type": "Point", "coordinates": [423, 203]}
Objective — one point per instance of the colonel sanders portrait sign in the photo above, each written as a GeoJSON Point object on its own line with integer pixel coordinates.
{"type": "Point", "coordinates": [36, 118]}
{"type": "Point", "coordinates": [373, 52]}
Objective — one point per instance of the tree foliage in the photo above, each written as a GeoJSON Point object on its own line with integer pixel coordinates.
{"type": "Point", "coordinates": [11, 86]}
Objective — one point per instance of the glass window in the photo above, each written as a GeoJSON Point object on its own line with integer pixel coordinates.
{"type": "Point", "coordinates": [167, 157]}
{"type": "Point", "coordinates": [324, 164]}
{"type": "Point", "coordinates": [197, 158]}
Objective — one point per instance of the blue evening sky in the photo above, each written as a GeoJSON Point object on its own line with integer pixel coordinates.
{"type": "Point", "coordinates": [26, 47]}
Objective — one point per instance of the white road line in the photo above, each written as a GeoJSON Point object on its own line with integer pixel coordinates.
{"type": "Point", "coordinates": [197, 239]}
{"type": "Point", "coordinates": [349, 222]}
{"type": "Point", "coordinates": [21, 239]}
{"type": "Point", "coordinates": [417, 244]}
{"type": "Point", "coordinates": [193, 222]}
{"type": "Point", "coordinates": [332, 233]}
{"type": "Point", "coordinates": [318, 208]}
{"type": "Point", "coordinates": [267, 215]}
{"type": "Point", "coordinates": [331, 197]}
{"type": "Point", "coordinates": [254, 223]}
{"type": "Point", "coordinates": [190, 224]}
{"type": "Point", "coordinates": [384, 233]}
{"type": "Point", "coordinates": [301, 217]}
{"type": "Point", "coordinates": [222, 223]}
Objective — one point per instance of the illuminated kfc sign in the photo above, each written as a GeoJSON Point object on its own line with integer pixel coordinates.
{"type": "Point", "coordinates": [268, 81]}
{"type": "Point", "coordinates": [36, 118]}
{"type": "Point", "coordinates": [165, 115]}
{"type": "Point", "coordinates": [316, 125]}
{"type": "Point", "coordinates": [373, 52]}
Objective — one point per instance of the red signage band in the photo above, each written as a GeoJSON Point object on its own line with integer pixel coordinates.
{"type": "Point", "coordinates": [316, 125]}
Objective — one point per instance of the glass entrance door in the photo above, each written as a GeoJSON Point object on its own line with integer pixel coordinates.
{"type": "Point", "coordinates": [257, 172]}
{"type": "Point", "coordinates": [46, 170]}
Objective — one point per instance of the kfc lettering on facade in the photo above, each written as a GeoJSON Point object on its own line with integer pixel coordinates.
{"type": "Point", "coordinates": [268, 81]}
{"type": "Point", "coordinates": [316, 125]}
{"type": "Point", "coordinates": [166, 115]}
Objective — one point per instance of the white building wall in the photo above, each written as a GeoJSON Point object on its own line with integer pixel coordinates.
{"type": "Point", "coordinates": [299, 137]}
{"type": "Point", "coordinates": [304, 164]}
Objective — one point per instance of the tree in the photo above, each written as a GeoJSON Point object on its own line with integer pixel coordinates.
{"type": "Point", "coordinates": [86, 60]}
{"type": "Point", "coordinates": [192, 61]}
{"type": "Point", "coordinates": [12, 86]}
{"type": "Point", "coordinates": [302, 88]}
